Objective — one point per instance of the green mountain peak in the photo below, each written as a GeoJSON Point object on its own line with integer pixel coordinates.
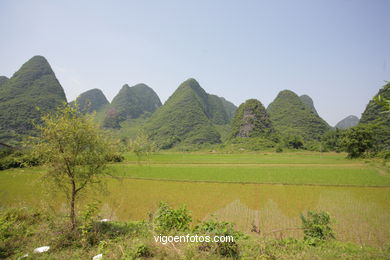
{"type": "Point", "coordinates": [33, 86]}
{"type": "Point", "coordinates": [91, 100]}
{"type": "Point", "coordinates": [290, 116]}
{"type": "Point", "coordinates": [251, 120]}
{"type": "Point", "coordinates": [131, 103]}
{"type": "Point", "coordinates": [187, 117]}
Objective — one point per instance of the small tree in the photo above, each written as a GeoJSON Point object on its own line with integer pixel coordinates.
{"type": "Point", "coordinates": [75, 151]}
{"type": "Point", "coordinates": [142, 146]}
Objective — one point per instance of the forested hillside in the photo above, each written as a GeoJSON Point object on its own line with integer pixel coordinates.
{"type": "Point", "coordinates": [30, 93]}
{"type": "Point", "coordinates": [251, 120]}
{"type": "Point", "coordinates": [290, 116]}
{"type": "Point", "coordinates": [131, 103]}
{"type": "Point", "coordinates": [187, 117]}
{"type": "Point", "coordinates": [91, 100]}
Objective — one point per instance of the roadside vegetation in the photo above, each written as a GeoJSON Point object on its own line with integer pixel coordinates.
{"type": "Point", "coordinates": [23, 229]}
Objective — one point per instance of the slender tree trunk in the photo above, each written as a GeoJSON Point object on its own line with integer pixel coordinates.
{"type": "Point", "coordinates": [72, 210]}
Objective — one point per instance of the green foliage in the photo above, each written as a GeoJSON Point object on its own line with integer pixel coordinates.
{"type": "Point", "coordinates": [377, 107]}
{"type": "Point", "coordinates": [142, 250]}
{"type": "Point", "coordinates": [18, 159]}
{"type": "Point", "coordinates": [88, 217]}
{"type": "Point", "coordinates": [357, 141]}
{"type": "Point", "coordinates": [279, 149]}
{"type": "Point", "coordinates": [30, 93]}
{"type": "Point", "coordinates": [130, 103]}
{"type": "Point", "coordinates": [219, 228]}
{"type": "Point", "coordinates": [185, 118]}
{"type": "Point", "coordinates": [251, 120]}
{"type": "Point", "coordinates": [384, 101]}
{"type": "Point", "coordinates": [331, 140]}
{"type": "Point", "coordinates": [377, 118]}
{"type": "Point", "coordinates": [317, 227]}
{"type": "Point", "coordinates": [74, 149]}
{"type": "Point", "coordinates": [168, 220]}
{"type": "Point", "coordinates": [290, 116]}
{"type": "Point", "coordinates": [89, 101]}
{"type": "Point", "coordinates": [293, 142]}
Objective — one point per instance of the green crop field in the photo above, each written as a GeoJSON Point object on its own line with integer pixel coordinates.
{"type": "Point", "coordinates": [293, 168]}
{"type": "Point", "coordinates": [242, 188]}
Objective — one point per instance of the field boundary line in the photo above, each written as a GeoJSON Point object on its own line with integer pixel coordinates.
{"type": "Point", "coordinates": [245, 164]}
{"type": "Point", "coordinates": [252, 183]}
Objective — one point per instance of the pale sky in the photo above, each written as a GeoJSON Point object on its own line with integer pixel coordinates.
{"type": "Point", "coordinates": [337, 52]}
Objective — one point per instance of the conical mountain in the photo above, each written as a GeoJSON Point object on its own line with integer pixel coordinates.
{"type": "Point", "coordinates": [30, 93]}
{"type": "Point", "coordinates": [251, 120]}
{"type": "Point", "coordinates": [348, 122]}
{"type": "Point", "coordinates": [131, 102]}
{"type": "Point", "coordinates": [91, 100]}
{"type": "Point", "coordinates": [3, 80]}
{"type": "Point", "coordinates": [375, 112]}
{"type": "Point", "coordinates": [290, 116]}
{"type": "Point", "coordinates": [309, 103]}
{"type": "Point", "coordinates": [186, 118]}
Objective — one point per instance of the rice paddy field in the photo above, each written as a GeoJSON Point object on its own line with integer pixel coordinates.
{"type": "Point", "coordinates": [268, 190]}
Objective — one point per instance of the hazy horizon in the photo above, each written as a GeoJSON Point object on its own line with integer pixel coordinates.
{"type": "Point", "coordinates": [337, 52]}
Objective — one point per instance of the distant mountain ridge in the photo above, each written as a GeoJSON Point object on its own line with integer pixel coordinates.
{"type": "Point", "coordinates": [130, 103]}
{"type": "Point", "coordinates": [91, 100]}
{"type": "Point", "coordinates": [30, 93]}
{"type": "Point", "coordinates": [348, 122]}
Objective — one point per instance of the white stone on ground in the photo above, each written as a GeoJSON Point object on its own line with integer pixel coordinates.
{"type": "Point", "coordinates": [41, 249]}
{"type": "Point", "coordinates": [97, 257]}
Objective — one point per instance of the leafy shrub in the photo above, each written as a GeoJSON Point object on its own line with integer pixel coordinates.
{"type": "Point", "coordinates": [279, 149]}
{"type": "Point", "coordinates": [115, 157]}
{"type": "Point", "coordinates": [219, 228]}
{"type": "Point", "coordinates": [142, 250]}
{"type": "Point", "coordinates": [331, 140]}
{"type": "Point", "coordinates": [357, 140]}
{"type": "Point", "coordinates": [168, 219]}
{"type": "Point", "coordinates": [316, 227]}
{"type": "Point", "coordinates": [18, 159]}
{"type": "Point", "coordinates": [87, 218]}
{"type": "Point", "coordinates": [294, 142]}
